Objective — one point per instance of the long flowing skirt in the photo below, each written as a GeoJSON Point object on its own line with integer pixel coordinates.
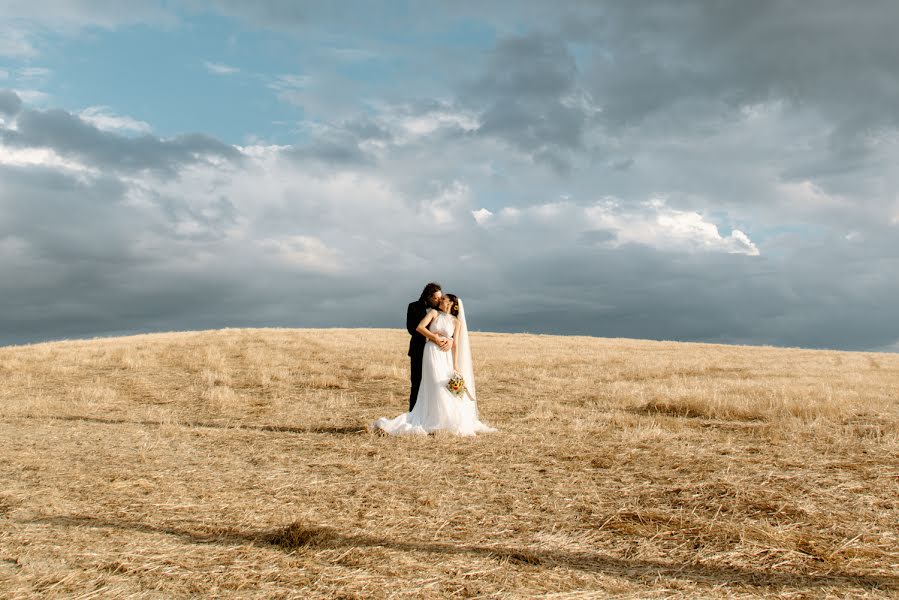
{"type": "Point", "coordinates": [436, 408]}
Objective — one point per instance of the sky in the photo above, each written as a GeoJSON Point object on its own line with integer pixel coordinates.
{"type": "Point", "coordinates": [696, 170]}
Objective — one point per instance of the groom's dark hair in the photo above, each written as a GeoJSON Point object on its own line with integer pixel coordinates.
{"type": "Point", "coordinates": [429, 290]}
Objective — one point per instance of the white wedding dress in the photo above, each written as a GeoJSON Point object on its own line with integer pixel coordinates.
{"type": "Point", "coordinates": [436, 408]}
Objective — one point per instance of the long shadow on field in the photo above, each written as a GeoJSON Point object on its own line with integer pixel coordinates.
{"type": "Point", "coordinates": [335, 430]}
{"type": "Point", "coordinates": [301, 536]}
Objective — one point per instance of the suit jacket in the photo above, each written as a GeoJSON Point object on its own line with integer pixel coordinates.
{"type": "Point", "coordinates": [414, 314]}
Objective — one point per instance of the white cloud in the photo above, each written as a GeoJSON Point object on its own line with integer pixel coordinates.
{"type": "Point", "coordinates": [271, 200]}
{"type": "Point", "coordinates": [652, 223]}
{"type": "Point", "coordinates": [42, 157]}
{"type": "Point", "coordinates": [31, 96]}
{"type": "Point", "coordinates": [430, 122]}
{"type": "Point", "coordinates": [443, 208]}
{"type": "Point", "coordinates": [220, 69]}
{"type": "Point", "coordinates": [482, 215]}
{"type": "Point", "coordinates": [406, 123]}
{"type": "Point", "coordinates": [660, 226]}
{"type": "Point", "coordinates": [308, 252]}
{"type": "Point", "coordinates": [740, 243]}
{"type": "Point", "coordinates": [102, 118]}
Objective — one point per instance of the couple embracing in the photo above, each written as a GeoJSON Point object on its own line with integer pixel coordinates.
{"type": "Point", "coordinates": [442, 396]}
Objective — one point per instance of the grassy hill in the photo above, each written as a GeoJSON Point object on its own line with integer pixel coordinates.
{"type": "Point", "coordinates": [237, 463]}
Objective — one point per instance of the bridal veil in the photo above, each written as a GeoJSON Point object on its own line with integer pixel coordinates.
{"type": "Point", "coordinates": [464, 350]}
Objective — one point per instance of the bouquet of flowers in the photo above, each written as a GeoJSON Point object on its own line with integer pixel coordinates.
{"type": "Point", "coordinates": [456, 385]}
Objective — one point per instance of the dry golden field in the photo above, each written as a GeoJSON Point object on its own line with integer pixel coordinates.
{"type": "Point", "coordinates": [236, 463]}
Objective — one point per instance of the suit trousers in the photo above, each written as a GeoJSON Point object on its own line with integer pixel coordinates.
{"type": "Point", "coordinates": [415, 377]}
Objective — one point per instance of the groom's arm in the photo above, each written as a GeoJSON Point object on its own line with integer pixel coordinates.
{"type": "Point", "coordinates": [414, 315]}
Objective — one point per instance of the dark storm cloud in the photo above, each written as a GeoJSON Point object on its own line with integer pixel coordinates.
{"type": "Point", "coordinates": [77, 260]}
{"type": "Point", "coordinates": [527, 96]}
{"type": "Point", "coordinates": [824, 295]}
{"type": "Point", "coordinates": [208, 223]}
{"type": "Point", "coordinates": [688, 65]}
{"type": "Point", "coordinates": [66, 243]}
{"type": "Point", "coordinates": [642, 58]}
{"type": "Point", "coordinates": [363, 129]}
{"type": "Point", "coordinates": [831, 57]}
{"type": "Point", "coordinates": [71, 136]}
{"type": "Point", "coordinates": [339, 144]}
{"type": "Point", "coordinates": [63, 219]}
{"type": "Point", "coordinates": [331, 151]}
{"type": "Point", "coordinates": [10, 103]}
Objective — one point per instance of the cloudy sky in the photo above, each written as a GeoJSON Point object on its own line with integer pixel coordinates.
{"type": "Point", "coordinates": [691, 170]}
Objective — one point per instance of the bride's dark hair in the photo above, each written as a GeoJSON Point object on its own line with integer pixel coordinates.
{"type": "Point", "coordinates": [454, 309]}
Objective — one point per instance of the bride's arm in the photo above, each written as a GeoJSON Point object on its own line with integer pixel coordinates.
{"type": "Point", "coordinates": [456, 345]}
{"type": "Point", "coordinates": [423, 328]}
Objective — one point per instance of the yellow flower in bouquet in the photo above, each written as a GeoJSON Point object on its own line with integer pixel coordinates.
{"type": "Point", "coordinates": [456, 385]}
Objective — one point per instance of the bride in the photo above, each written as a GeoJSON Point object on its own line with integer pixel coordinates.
{"type": "Point", "coordinates": [436, 407]}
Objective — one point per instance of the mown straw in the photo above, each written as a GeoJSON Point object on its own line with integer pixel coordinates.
{"type": "Point", "coordinates": [237, 463]}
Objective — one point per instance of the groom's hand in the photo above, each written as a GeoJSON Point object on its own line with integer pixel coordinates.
{"type": "Point", "coordinates": [444, 344]}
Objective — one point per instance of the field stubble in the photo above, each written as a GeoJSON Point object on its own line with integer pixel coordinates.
{"type": "Point", "coordinates": [237, 463]}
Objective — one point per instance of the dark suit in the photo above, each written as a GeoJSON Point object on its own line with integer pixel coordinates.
{"type": "Point", "coordinates": [414, 314]}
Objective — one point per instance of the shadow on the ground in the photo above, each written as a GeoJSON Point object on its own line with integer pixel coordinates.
{"type": "Point", "coordinates": [299, 536]}
{"type": "Point", "coordinates": [335, 430]}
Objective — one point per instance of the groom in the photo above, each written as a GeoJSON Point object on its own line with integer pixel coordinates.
{"type": "Point", "coordinates": [430, 298]}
